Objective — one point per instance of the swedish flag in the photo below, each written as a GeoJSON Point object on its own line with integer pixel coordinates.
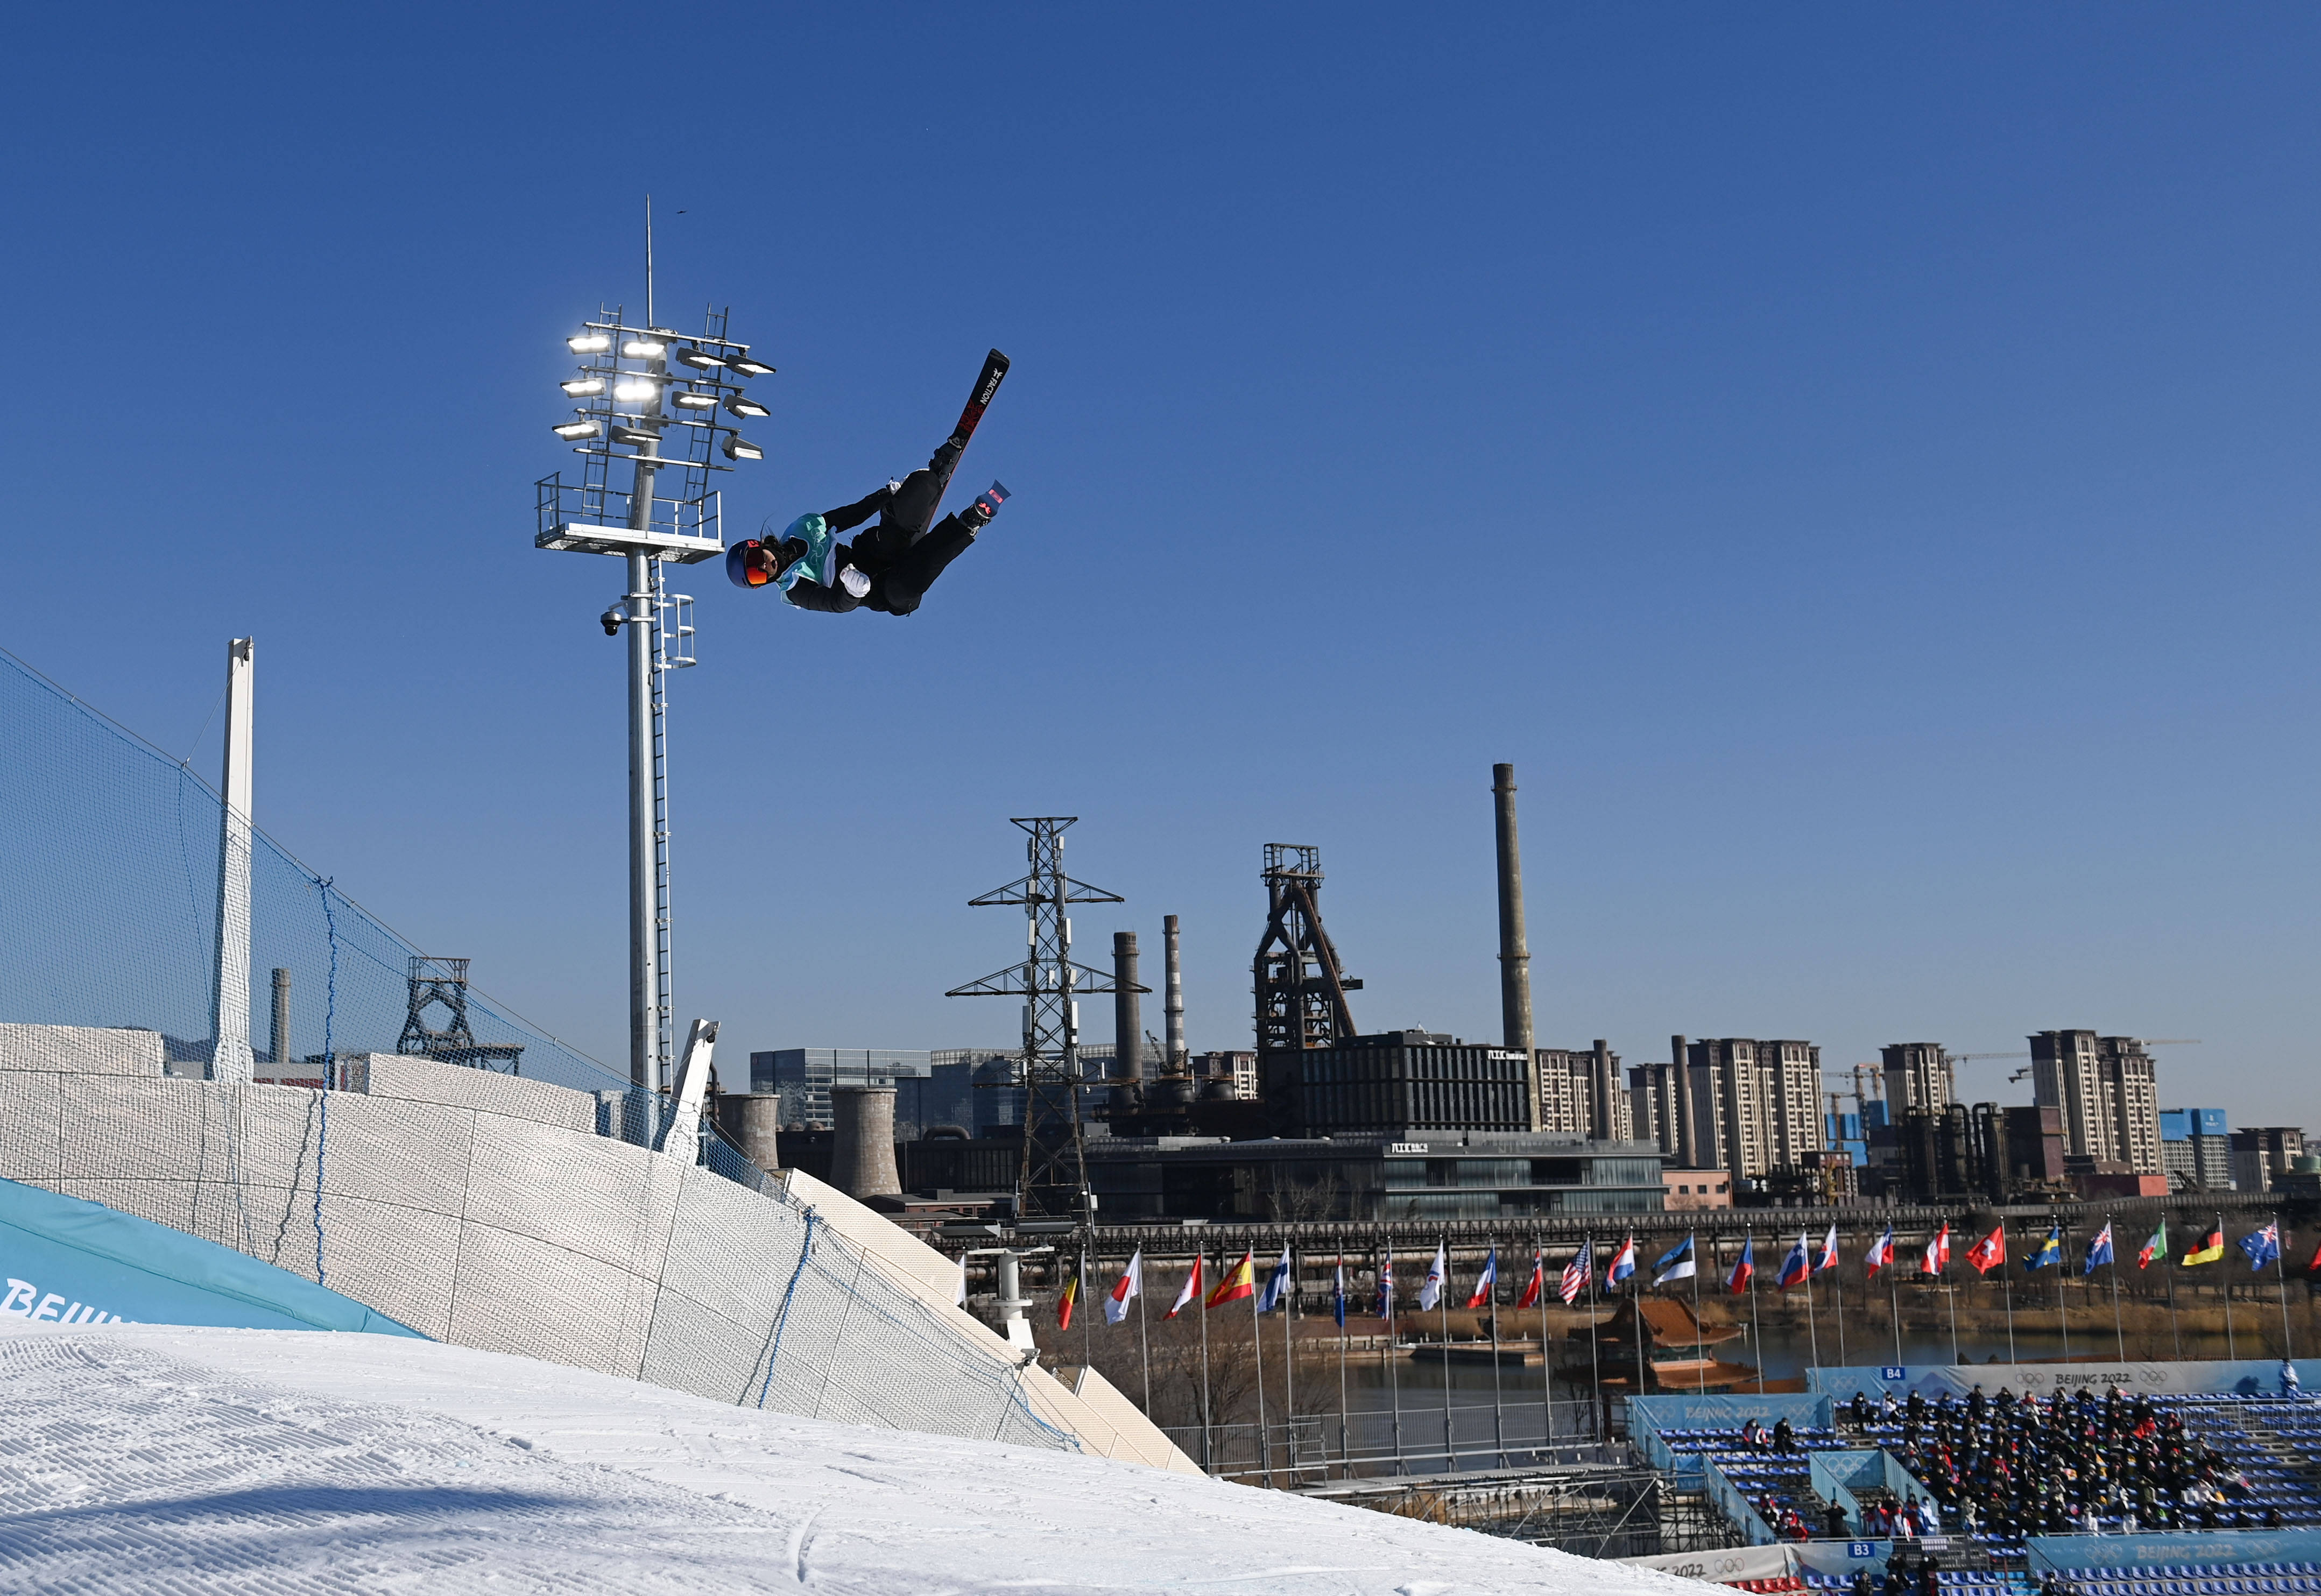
{"type": "Point", "coordinates": [2050, 1251]}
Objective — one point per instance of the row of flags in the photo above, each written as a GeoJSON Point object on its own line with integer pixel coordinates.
{"type": "Point", "coordinates": [1681, 1262]}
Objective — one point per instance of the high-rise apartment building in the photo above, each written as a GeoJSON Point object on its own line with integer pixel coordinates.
{"type": "Point", "coordinates": [1918, 1075]}
{"type": "Point", "coordinates": [2108, 1091]}
{"type": "Point", "coordinates": [1756, 1105]}
{"type": "Point", "coordinates": [1580, 1095]}
{"type": "Point", "coordinates": [2262, 1154]}
{"type": "Point", "coordinates": [2196, 1149]}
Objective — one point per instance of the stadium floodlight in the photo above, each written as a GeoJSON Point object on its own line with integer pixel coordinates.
{"type": "Point", "coordinates": [737, 447]}
{"type": "Point", "coordinates": [743, 405]}
{"type": "Point", "coordinates": [749, 366]}
{"type": "Point", "coordinates": [645, 405]}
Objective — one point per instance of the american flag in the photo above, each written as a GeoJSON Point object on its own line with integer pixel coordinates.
{"type": "Point", "coordinates": [1576, 1273]}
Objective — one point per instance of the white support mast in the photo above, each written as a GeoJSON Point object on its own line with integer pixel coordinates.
{"type": "Point", "coordinates": [229, 1055]}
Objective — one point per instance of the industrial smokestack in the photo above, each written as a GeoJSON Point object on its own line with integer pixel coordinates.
{"type": "Point", "coordinates": [1173, 1093]}
{"type": "Point", "coordinates": [1688, 1121]}
{"type": "Point", "coordinates": [1127, 1025]}
{"type": "Point", "coordinates": [1515, 955]}
{"type": "Point", "coordinates": [862, 1150]}
{"type": "Point", "coordinates": [751, 1122]}
{"type": "Point", "coordinates": [280, 1040]}
{"type": "Point", "coordinates": [1172, 1002]}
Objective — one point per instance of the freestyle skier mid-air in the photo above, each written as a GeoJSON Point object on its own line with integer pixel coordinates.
{"type": "Point", "coordinates": [891, 566]}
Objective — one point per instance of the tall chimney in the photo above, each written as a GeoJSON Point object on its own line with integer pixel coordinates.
{"type": "Point", "coordinates": [1127, 1026]}
{"type": "Point", "coordinates": [1172, 1002]}
{"type": "Point", "coordinates": [281, 1039]}
{"type": "Point", "coordinates": [1607, 1086]}
{"type": "Point", "coordinates": [862, 1147]}
{"type": "Point", "coordinates": [1514, 956]}
{"type": "Point", "coordinates": [1688, 1116]}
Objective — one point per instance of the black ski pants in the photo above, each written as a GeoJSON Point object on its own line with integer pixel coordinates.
{"type": "Point", "coordinates": [898, 588]}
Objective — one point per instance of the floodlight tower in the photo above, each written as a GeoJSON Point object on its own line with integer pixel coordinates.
{"type": "Point", "coordinates": [629, 406]}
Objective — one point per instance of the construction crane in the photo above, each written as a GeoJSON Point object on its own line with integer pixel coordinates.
{"type": "Point", "coordinates": [2145, 1041]}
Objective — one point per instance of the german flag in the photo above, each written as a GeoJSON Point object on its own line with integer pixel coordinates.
{"type": "Point", "coordinates": [2209, 1250]}
{"type": "Point", "coordinates": [1239, 1281]}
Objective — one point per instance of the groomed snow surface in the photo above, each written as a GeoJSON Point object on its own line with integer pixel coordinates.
{"type": "Point", "coordinates": [150, 1458]}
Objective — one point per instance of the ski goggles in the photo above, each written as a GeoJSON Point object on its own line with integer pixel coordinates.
{"type": "Point", "coordinates": [744, 573]}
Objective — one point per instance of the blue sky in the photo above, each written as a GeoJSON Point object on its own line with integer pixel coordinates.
{"type": "Point", "coordinates": [1857, 464]}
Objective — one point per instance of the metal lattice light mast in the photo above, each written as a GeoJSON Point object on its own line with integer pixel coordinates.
{"type": "Point", "coordinates": [630, 406]}
{"type": "Point", "coordinates": [1052, 1182]}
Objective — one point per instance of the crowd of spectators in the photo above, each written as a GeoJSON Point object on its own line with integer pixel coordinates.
{"type": "Point", "coordinates": [2011, 1466]}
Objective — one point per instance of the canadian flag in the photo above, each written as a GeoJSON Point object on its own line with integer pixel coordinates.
{"type": "Point", "coordinates": [1938, 1251]}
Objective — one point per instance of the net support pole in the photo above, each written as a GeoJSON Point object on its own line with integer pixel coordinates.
{"type": "Point", "coordinates": [229, 1055]}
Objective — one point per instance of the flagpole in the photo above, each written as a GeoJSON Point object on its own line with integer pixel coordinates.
{"type": "Point", "coordinates": [1289, 1369]}
{"type": "Point", "coordinates": [1951, 1292]}
{"type": "Point", "coordinates": [2168, 1258]}
{"type": "Point", "coordinates": [1443, 1301]}
{"type": "Point", "coordinates": [1393, 1356]}
{"type": "Point", "coordinates": [2062, 1314]}
{"type": "Point", "coordinates": [1546, 1364]}
{"type": "Point", "coordinates": [1080, 1307]}
{"type": "Point", "coordinates": [2007, 1286]}
{"type": "Point", "coordinates": [1595, 1351]}
{"type": "Point", "coordinates": [2280, 1268]}
{"type": "Point", "coordinates": [1756, 1334]}
{"type": "Point", "coordinates": [1208, 1424]}
{"type": "Point", "coordinates": [1813, 1334]}
{"type": "Point", "coordinates": [1338, 1311]}
{"type": "Point", "coordinates": [2232, 1347]}
{"type": "Point", "coordinates": [2118, 1328]}
{"type": "Point", "coordinates": [1498, 1411]}
{"type": "Point", "coordinates": [1636, 1301]}
{"type": "Point", "coordinates": [1699, 1351]}
{"type": "Point", "coordinates": [1838, 1290]}
{"type": "Point", "coordinates": [1893, 1296]}
{"type": "Point", "coordinates": [1143, 1330]}
{"type": "Point", "coordinates": [1257, 1354]}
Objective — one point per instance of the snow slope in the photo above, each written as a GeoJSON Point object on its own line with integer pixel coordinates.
{"type": "Point", "coordinates": [159, 1458]}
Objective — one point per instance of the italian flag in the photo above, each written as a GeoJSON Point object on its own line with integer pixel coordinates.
{"type": "Point", "coordinates": [1239, 1282]}
{"type": "Point", "coordinates": [2153, 1248]}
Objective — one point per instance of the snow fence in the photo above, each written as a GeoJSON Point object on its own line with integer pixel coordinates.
{"type": "Point", "coordinates": [489, 1212]}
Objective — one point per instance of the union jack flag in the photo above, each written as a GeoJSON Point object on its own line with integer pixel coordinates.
{"type": "Point", "coordinates": [1575, 1273]}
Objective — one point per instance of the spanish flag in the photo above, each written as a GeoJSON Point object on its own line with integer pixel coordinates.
{"type": "Point", "coordinates": [1065, 1303]}
{"type": "Point", "coordinates": [1239, 1281]}
{"type": "Point", "coordinates": [2209, 1250]}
